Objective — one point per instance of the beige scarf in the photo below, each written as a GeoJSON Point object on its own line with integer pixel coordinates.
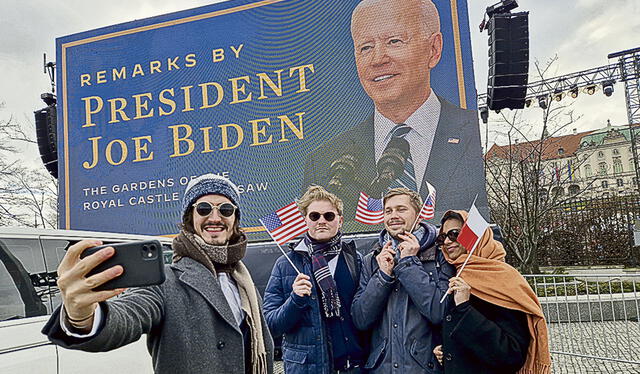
{"type": "Point", "coordinates": [251, 307]}
{"type": "Point", "coordinates": [227, 258]}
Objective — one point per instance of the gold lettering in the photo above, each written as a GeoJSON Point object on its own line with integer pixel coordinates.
{"type": "Point", "coordinates": [225, 136]}
{"type": "Point", "coordinates": [143, 105]}
{"type": "Point", "coordinates": [123, 153]}
{"type": "Point", "coordinates": [94, 152]}
{"type": "Point", "coordinates": [177, 139]}
{"type": "Point", "coordinates": [85, 79]}
{"type": "Point", "coordinates": [205, 94]}
{"type": "Point", "coordinates": [154, 67]}
{"type": "Point", "coordinates": [241, 89]}
{"type": "Point", "coordinates": [218, 55]}
{"type": "Point", "coordinates": [142, 148]}
{"type": "Point", "coordinates": [297, 131]}
{"type": "Point", "coordinates": [166, 101]}
{"type": "Point", "coordinates": [187, 98]}
{"type": "Point", "coordinates": [262, 131]}
{"type": "Point", "coordinates": [119, 74]}
{"type": "Point", "coordinates": [115, 110]}
{"type": "Point", "coordinates": [101, 76]}
{"type": "Point", "coordinates": [137, 70]}
{"type": "Point", "coordinates": [190, 60]}
{"type": "Point", "coordinates": [88, 111]}
{"type": "Point", "coordinates": [302, 76]}
{"type": "Point", "coordinates": [237, 51]}
{"type": "Point", "coordinates": [172, 63]}
{"type": "Point", "coordinates": [205, 138]}
{"type": "Point", "coordinates": [277, 89]}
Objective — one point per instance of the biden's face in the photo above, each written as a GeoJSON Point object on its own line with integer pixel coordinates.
{"type": "Point", "coordinates": [394, 52]}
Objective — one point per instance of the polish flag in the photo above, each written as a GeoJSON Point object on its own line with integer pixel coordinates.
{"type": "Point", "coordinates": [472, 230]}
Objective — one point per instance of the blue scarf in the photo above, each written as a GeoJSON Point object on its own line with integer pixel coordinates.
{"type": "Point", "coordinates": [425, 233]}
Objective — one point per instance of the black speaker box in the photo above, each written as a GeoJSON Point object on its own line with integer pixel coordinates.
{"type": "Point", "coordinates": [508, 60]}
{"type": "Point", "coordinates": [46, 134]}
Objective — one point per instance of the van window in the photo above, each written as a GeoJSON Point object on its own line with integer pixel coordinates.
{"type": "Point", "coordinates": [20, 294]}
{"type": "Point", "coordinates": [54, 251]}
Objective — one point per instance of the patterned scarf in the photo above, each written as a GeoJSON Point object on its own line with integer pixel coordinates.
{"type": "Point", "coordinates": [321, 254]}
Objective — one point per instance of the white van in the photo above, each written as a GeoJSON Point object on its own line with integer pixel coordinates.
{"type": "Point", "coordinates": [29, 294]}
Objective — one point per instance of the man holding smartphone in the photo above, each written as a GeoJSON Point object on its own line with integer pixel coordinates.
{"type": "Point", "coordinates": [312, 309]}
{"type": "Point", "coordinates": [205, 318]}
{"type": "Point", "coordinates": [402, 281]}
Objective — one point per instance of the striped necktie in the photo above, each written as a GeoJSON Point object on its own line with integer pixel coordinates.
{"type": "Point", "coordinates": [408, 178]}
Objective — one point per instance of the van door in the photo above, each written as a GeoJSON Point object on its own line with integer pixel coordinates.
{"type": "Point", "coordinates": [23, 349]}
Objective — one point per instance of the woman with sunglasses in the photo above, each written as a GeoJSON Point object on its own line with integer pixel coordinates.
{"type": "Point", "coordinates": [494, 322]}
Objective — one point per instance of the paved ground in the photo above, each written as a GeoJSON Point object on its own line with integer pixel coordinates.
{"type": "Point", "coordinates": [612, 340]}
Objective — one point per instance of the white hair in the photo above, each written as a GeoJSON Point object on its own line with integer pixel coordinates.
{"type": "Point", "coordinates": [430, 24]}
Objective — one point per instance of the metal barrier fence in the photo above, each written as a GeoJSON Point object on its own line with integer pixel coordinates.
{"type": "Point", "coordinates": [593, 321]}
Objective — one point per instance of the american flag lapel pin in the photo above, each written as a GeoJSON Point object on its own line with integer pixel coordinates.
{"type": "Point", "coordinates": [453, 140]}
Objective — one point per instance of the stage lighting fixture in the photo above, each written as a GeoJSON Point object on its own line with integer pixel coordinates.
{"type": "Point", "coordinates": [484, 114]}
{"type": "Point", "coordinates": [542, 101]}
{"type": "Point", "coordinates": [591, 89]}
{"type": "Point", "coordinates": [558, 95]}
{"type": "Point", "coordinates": [607, 88]}
{"type": "Point", "coordinates": [527, 103]}
{"type": "Point", "coordinates": [574, 91]}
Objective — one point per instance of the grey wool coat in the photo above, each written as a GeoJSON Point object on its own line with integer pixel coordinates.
{"type": "Point", "coordinates": [189, 325]}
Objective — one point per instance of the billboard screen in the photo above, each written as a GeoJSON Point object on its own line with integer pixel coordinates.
{"type": "Point", "coordinates": [275, 95]}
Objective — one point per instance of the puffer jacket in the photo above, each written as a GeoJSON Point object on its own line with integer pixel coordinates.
{"type": "Point", "coordinates": [305, 345]}
{"type": "Point", "coordinates": [403, 312]}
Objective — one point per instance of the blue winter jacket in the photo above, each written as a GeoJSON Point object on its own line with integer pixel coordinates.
{"type": "Point", "coordinates": [305, 345]}
{"type": "Point", "coordinates": [403, 312]}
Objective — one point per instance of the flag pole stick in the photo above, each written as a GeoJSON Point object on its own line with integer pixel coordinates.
{"type": "Point", "coordinates": [281, 250]}
{"type": "Point", "coordinates": [462, 268]}
{"type": "Point", "coordinates": [417, 219]}
{"type": "Point", "coordinates": [468, 256]}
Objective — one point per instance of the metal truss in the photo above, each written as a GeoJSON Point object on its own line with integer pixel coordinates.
{"type": "Point", "coordinates": [626, 70]}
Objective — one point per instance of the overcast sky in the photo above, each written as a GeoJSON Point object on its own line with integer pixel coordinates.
{"type": "Point", "coordinates": [580, 32]}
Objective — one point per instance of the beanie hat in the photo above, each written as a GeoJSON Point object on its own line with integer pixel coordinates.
{"type": "Point", "coordinates": [210, 184]}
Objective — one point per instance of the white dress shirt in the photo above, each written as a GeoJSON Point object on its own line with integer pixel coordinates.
{"type": "Point", "coordinates": [423, 123]}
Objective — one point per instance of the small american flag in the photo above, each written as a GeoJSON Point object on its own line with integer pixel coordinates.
{"type": "Point", "coordinates": [429, 206]}
{"type": "Point", "coordinates": [369, 210]}
{"type": "Point", "coordinates": [285, 223]}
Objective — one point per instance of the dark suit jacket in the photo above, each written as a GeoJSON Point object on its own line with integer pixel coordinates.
{"type": "Point", "coordinates": [456, 170]}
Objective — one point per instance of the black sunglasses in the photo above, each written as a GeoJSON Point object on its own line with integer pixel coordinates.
{"type": "Point", "coordinates": [329, 216]}
{"type": "Point", "coordinates": [452, 235]}
{"type": "Point", "coordinates": [204, 208]}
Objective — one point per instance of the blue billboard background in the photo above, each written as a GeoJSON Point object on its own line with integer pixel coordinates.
{"type": "Point", "coordinates": [124, 187]}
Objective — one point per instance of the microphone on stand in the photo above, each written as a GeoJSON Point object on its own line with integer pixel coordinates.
{"type": "Point", "coordinates": [390, 166]}
{"type": "Point", "coordinates": [343, 173]}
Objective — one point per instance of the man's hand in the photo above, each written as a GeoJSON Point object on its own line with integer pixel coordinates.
{"type": "Point", "coordinates": [302, 285]}
{"type": "Point", "coordinates": [461, 290]}
{"type": "Point", "coordinates": [437, 351]}
{"type": "Point", "coordinates": [385, 258]}
{"type": "Point", "coordinates": [409, 246]}
{"type": "Point", "coordinates": [78, 297]}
